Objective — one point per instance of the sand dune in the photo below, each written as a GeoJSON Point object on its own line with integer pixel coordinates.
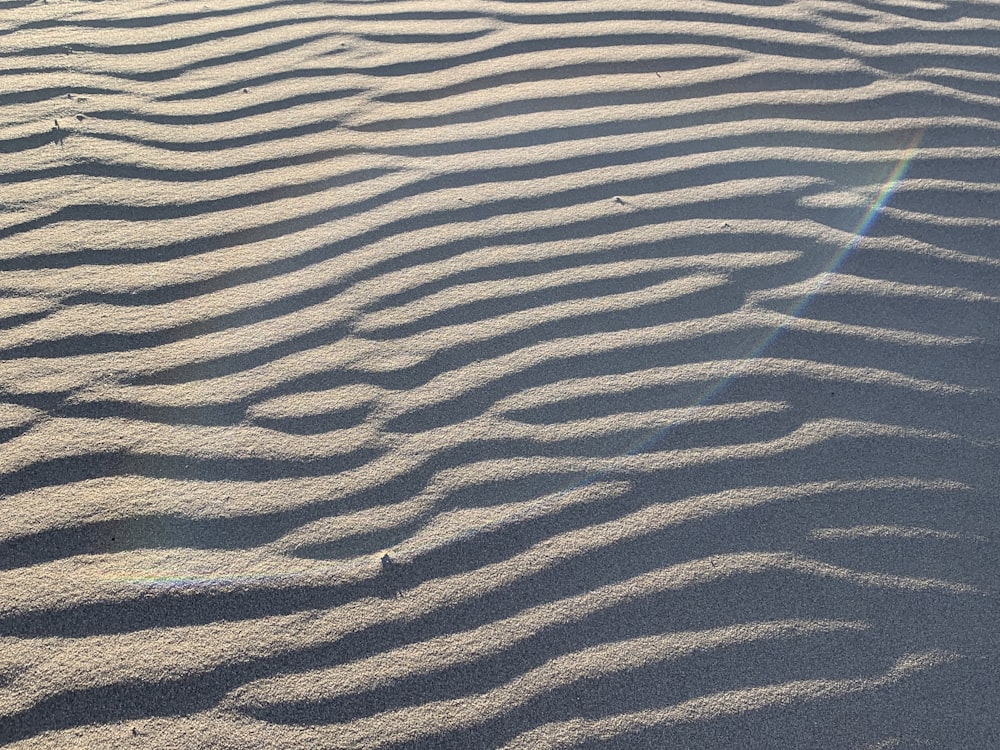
{"type": "Point", "coordinates": [500, 374]}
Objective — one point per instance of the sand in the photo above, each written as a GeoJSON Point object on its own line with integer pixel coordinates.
{"type": "Point", "coordinates": [598, 374]}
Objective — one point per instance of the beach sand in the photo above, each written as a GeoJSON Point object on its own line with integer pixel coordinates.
{"type": "Point", "coordinates": [593, 374]}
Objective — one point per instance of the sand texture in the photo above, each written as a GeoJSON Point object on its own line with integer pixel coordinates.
{"type": "Point", "coordinates": [500, 374]}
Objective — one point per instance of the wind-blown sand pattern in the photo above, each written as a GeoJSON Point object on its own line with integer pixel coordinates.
{"type": "Point", "coordinates": [499, 374]}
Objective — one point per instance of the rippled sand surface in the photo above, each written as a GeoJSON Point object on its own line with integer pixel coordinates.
{"type": "Point", "coordinates": [592, 374]}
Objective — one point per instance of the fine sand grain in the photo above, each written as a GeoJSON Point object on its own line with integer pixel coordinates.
{"type": "Point", "coordinates": [445, 374]}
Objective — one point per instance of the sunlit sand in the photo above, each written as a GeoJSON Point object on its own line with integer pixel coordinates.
{"type": "Point", "coordinates": [501, 374]}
